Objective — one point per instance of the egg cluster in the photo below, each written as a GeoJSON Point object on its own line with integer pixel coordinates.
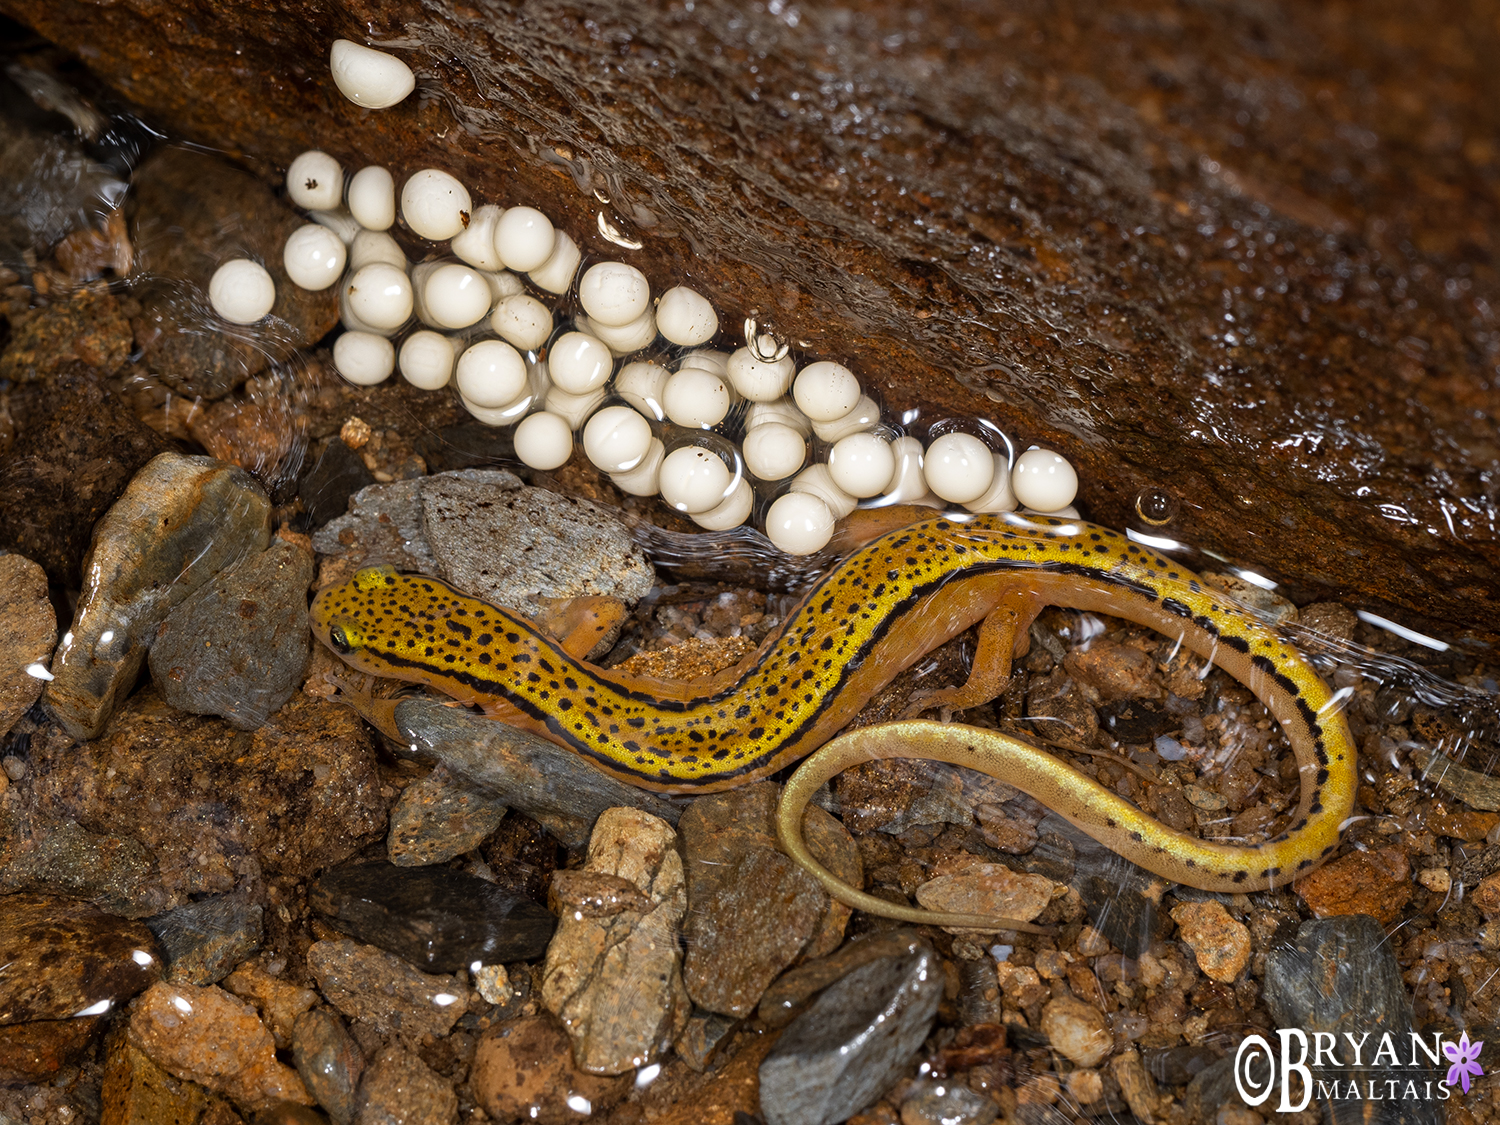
{"type": "Point", "coordinates": [558, 353]}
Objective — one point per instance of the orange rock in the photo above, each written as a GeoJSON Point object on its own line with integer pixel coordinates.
{"type": "Point", "coordinates": [1376, 882]}
{"type": "Point", "coordinates": [1220, 943]}
{"type": "Point", "coordinates": [1486, 896]}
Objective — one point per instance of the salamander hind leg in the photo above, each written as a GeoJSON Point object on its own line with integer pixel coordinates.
{"type": "Point", "coordinates": [1003, 635]}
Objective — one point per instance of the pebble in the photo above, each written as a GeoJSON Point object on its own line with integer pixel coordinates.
{"type": "Point", "coordinates": [79, 453]}
{"type": "Point", "coordinates": [211, 803]}
{"type": "Point", "coordinates": [38, 1051]}
{"type": "Point", "coordinates": [438, 919]}
{"type": "Point", "coordinates": [64, 958]}
{"type": "Point", "coordinates": [279, 1002]}
{"type": "Point", "coordinates": [205, 940]}
{"type": "Point", "coordinates": [383, 526]}
{"type": "Point", "coordinates": [524, 1071]}
{"type": "Point", "coordinates": [366, 983]}
{"type": "Point", "coordinates": [239, 645]}
{"type": "Point", "coordinates": [329, 1061]}
{"type": "Point", "coordinates": [137, 1091]}
{"type": "Point", "coordinates": [1078, 1030]}
{"type": "Point", "coordinates": [180, 521]}
{"type": "Point", "coordinates": [948, 1104]}
{"type": "Point", "coordinates": [207, 1036]}
{"type": "Point", "coordinates": [737, 947]}
{"type": "Point", "coordinates": [195, 211]}
{"type": "Point", "coordinates": [1220, 943]}
{"type": "Point", "coordinates": [1486, 895]}
{"type": "Point", "coordinates": [852, 1044]}
{"type": "Point", "coordinates": [438, 817]}
{"type": "Point", "coordinates": [613, 973]}
{"type": "Point", "coordinates": [991, 889]}
{"type": "Point", "coordinates": [86, 328]}
{"type": "Point", "coordinates": [702, 1036]}
{"type": "Point", "coordinates": [554, 786]}
{"type": "Point", "coordinates": [1375, 882]}
{"type": "Point", "coordinates": [28, 630]}
{"type": "Point", "coordinates": [400, 1089]}
{"type": "Point", "coordinates": [1135, 1084]}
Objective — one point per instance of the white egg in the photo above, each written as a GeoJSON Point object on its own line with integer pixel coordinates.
{"type": "Point", "coordinates": [907, 484]}
{"type": "Point", "coordinates": [364, 358]}
{"type": "Point", "coordinates": [368, 77]}
{"type": "Point", "coordinates": [774, 451]}
{"type": "Point", "coordinates": [507, 415]}
{"type": "Point", "coordinates": [696, 399]}
{"type": "Point", "coordinates": [757, 379]}
{"type": "Point", "coordinates": [426, 360]}
{"type": "Point", "coordinates": [799, 523]}
{"type": "Point", "coordinates": [523, 321]}
{"type": "Point", "coordinates": [817, 480]}
{"type": "Point", "coordinates": [999, 496]}
{"type": "Point", "coordinates": [544, 441]}
{"type": "Point", "coordinates": [826, 391]}
{"type": "Point", "coordinates": [1044, 480]}
{"type": "Point", "coordinates": [694, 479]}
{"type": "Point", "coordinates": [616, 439]}
{"type": "Point", "coordinates": [475, 244]}
{"type": "Point", "coordinates": [339, 221]}
{"type": "Point", "coordinates": [624, 339]}
{"type": "Point", "coordinates": [643, 480]}
{"type": "Point", "coordinates": [642, 385]}
{"type": "Point", "coordinates": [732, 511]}
{"type": "Point", "coordinates": [241, 291]}
{"type": "Point", "coordinates": [579, 362]}
{"type": "Point", "coordinates": [614, 293]}
{"type": "Point", "coordinates": [314, 257]}
{"type": "Point", "coordinates": [685, 317]}
{"type": "Point", "coordinates": [959, 467]}
{"type": "Point", "coordinates": [435, 205]}
{"type": "Point", "coordinates": [782, 411]}
{"type": "Point", "coordinates": [315, 181]}
{"type": "Point", "coordinates": [864, 416]}
{"type": "Point", "coordinates": [555, 275]}
{"type": "Point", "coordinates": [456, 296]}
{"type": "Point", "coordinates": [491, 374]}
{"type": "Point", "coordinates": [381, 295]}
{"type": "Point", "coordinates": [706, 359]}
{"type": "Point", "coordinates": [575, 409]}
{"type": "Point", "coordinates": [524, 239]}
{"type": "Point", "coordinates": [862, 464]}
{"type": "Point", "coordinates": [372, 198]}
{"type": "Point", "coordinates": [371, 246]}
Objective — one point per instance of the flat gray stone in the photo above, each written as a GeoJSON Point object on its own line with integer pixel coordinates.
{"type": "Point", "coordinates": [439, 817]}
{"type": "Point", "coordinates": [383, 526]}
{"type": "Point", "coordinates": [205, 940]}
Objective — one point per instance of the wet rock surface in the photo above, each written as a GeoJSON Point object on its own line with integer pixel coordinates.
{"type": "Point", "coordinates": [400, 1089]}
{"type": "Point", "coordinates": [523, 1069]}
{"type": "Point", "coordinates": [440, 817]}
{"type": "Point", "coordinates": [438, 919]}
{"type": "Point", "coordinates": [205, 940]}
{"type": "Point", "coordinates": [329, 1061]}
{"type": "Point", "coordinates": [238, 646]}
{"type": "Point", "coordinates": [87, 328]}
{"type": "Point", "coordinates": [39, 1050]}
{"type": "Point", "coordinates": [370, 984]}
{"type": "Point", "coordinates": [28, 630]}
{"type": "Point", "coordinates": [137, 1091]}
{"type": "Point", "coordinates": [180, 521]}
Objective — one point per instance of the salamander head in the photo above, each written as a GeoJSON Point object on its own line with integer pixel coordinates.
{"type": "Point", "coordinates": [339, 613]}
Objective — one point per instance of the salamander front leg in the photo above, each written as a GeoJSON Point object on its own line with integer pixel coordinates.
{"type": "Point", "coordinates": [1003, 635]}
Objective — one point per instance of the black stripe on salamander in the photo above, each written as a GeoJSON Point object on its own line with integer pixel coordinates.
{"type": "Point", "coordinates": [1283, 681]}
{"type": "Point", "coordinates": [1172, 605]}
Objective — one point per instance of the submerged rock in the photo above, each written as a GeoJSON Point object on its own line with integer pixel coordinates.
{"type": "Point", "coordinates": [28, 630]}
{"type": "Point", "coordinates": [524, 1071]}
{"type": "Point", "coordinates": [329, 1061]}
{"type": "Point", "coordinates": [370, 984]}
{"type": "Point", "coordinates": [400, 1089]}
{"type": "Point", "coordinates": [205, 940]}
{"type": "Point", "coordinates": [438, 817]}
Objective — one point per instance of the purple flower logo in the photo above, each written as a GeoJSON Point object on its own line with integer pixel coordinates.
{"type": "Point", "coordinates": [1464, 1056]}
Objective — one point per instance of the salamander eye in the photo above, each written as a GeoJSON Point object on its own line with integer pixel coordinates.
{"type": "Point", "coordinates": [339, 641]}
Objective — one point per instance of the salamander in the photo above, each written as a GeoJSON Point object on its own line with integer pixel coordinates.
{"type": "Point", "coordinates": [880, 610]}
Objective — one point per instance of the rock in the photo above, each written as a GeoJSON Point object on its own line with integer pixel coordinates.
{"type": "Point", "coordinates": [329, 1061]}
{"type": "Point", "coordinates": [541, 779]}
{"type": "Point", "coordinates": [894, 794]}
{"type": "Point", "coordinates": [781, 1002]}
{"type": "Point", "coordinates": [948, 1104]}
{"type": "Point", "coordinates": [38, 1051]}
{"type": "Point", "coordinates": [86, 327]}
{"type": "Point", "coordinates": [180, 521]}
{"type": "Point", "coordinates": [366, 983]}
{"type": "Point", "coordinates": [139, 1092]}
{"type": "Point", "coordinates": [58, 856]}
{"type": "Point", "coordinates": [210, 802]}
{"type": "Point", "coordinates": [850, 1046]}
{"type": "Point", "coordinates": [438, 817]}
{"type": "Point", "coordinates": [1077, 1030]}
{"type": "Point", "coordinates": [63, 958]}
{"type": "Point", "coordinates": [383, 527]}
{"type": "Point", "coordinates": [613, 970]}
{"type": "Point", "coordinates": [990, 889]}
{"type": "Point", "coordinates": [439, 920]}
{"type": "Point", "coordinates": [336, 475]}
{"type": "Point", "coordinates": [207, 1036]}
{"type": "Point", "coordinates": [1220, 943]}
{"type": "Point", "coordinates": [28, 630]}
{"type": "Point", "coordinates": [1376, 882]}
{"type": "Point", "coordinates": [1115, 671]}
{"type": "Point", "coordinates": [523, 1070]}
{"type": "Point", "coordinates": [400, 1089]}
{"type": "Point", "coordinates": [280, 1003]}
{"type": "Point", "coordinates": [702, 1036]}
{"type": "Point", "coordinates": [65, 470]}
{"type": "Point", "coordinates": [239, 645]}
{"type": "Point", "coordinates": [194, 212]}
{"type": "Point", "coordinates": [1486, 896]}
{"type": "Point", "coordinates": [205, 940]}
{"type": "Point", "coordinates": [288, 1113]}
{"type": "Point", "coordinates": [1135, 1084]}
{"type": "Point", "coordinates": [736, 945]}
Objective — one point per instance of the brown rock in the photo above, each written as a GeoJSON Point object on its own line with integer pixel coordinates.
{"type": "Point", "coordinates": [85, 327]}
{"type": "Point", "coordinates": [1461, 824]}
{"type": "Point", "coordinates": [329, 1061]}
{"type": "Point", "coordinates": [64, 958]}
{"type": "Point", "coordinates": [1135, 1084]}
{"type": "Point", "coordinates": [1376, 882]}
{"type": "Point", "coordinates": [1114, 670]}
{"type": "Point", "coordinates": [207, 1036]}
{"type": "Point", "coordinates": [298, 795]}
{"type": "Point", "coordinates": [732, 1090]}
{"type": "Point", "coordinates": [279, 1002]}
{"type": "Point", "coordinates": [1486, 896]}
{"type": "Point", "coordinates": [438, 817]}
{"type": "Point", "coordinates": [1077, 1030]}
{"type": "Point", "coordinates": [1220, 943]}
{"type": "Point", "coordinates": [370, 984]}
{"type": "Point", "coordinates": [28, 630]}
{"type": "Point", "coordinates": [523, 1070]}
{"type": "Point", "coordinates": [139, 1092]}
{"type": "Point", "coordinates": [991, 889]}
{"type": "Point", "coordinates": [400, 1089]}
{"type": "Point", "coordinates": [37, 1051]}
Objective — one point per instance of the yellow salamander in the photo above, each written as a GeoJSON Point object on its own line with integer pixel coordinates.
{"type": "Point", "coordinates": [875, 614]}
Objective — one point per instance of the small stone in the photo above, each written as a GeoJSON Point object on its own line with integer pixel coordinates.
{"type": "Point", "coordinates": [62, 958]}
{"type": "Point", "coordinates": [1116, 671]}
{"type": "Point", "coordinates": [438, 817]}
{"type": "Point", "coordinates": [523, 1071]}
{"type": "Point", "coordinates": [948, 1104]}
{"type": "Point", "coordinates": [28, 630]}
{"type": "Point", "coordinates": [781, 1002]}
{"type": "Point", "coordinates": [1078, 1030]}
{"type": "Point", "coordinates": [400, 1089]}
{"type": "Point", "coordinates": [139, 1092]}
{"type": "Point", "coordinates": [1220, 943]}
{"type": "Point", "coordinates": [1486, 896]}
{"type": "Point", "coordinates": [493, 984]}
{"type": "Point", "coordinates": [1461, 824]}
{"type": "Point", "coordinates": [180, 521]}
{"type": "Point", "coordinates": [1375, 882]}
{"type": "Point", "coordinates": [39, 1050]}
{"type": "Point", "coordinates": [329, 1061]}
{"type": "Point", "coordinates": [205, 940]}
{"type": "Point", "coordinates": [701, 1038]}
{"type": "Point", "coordinates": [207, 1036]}
{"type": "Point", "coordinates": [1135, 1084]}
{"type": "Point", "coordinates": [852, 1043]}
{"type": "Point", "coordinates": [991, 889]}
{"type": "Point", "coordinates": [280, 1003]}
{"type": "Point", "coordinates": [613, 971]}
{"type": "Point", "coordinates": [287, 1113]}
{"type": "Point", "coordinates": [84, 328]}
{"type": "Point", "coordinates": [239, 645]}
{"type": "Point", "coordinates": [366, 983]}
{"type": "Point", "coordinates": [57, 855]}
{"type": "Point", "coordinates": [730, 1093]}
{"type": "Point", "coordinates": [1085, 1086]}
{"type": "Point", "coordinates": [439, 920]}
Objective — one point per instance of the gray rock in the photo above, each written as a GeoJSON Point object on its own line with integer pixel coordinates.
{"type": "Point", "coordinates": [439, 817]}
{"type": "Point", "coordinates": [180, 521]}
{"type": "Point", "coordinates": [329, 1061]}
{"type": "Point", "coordinates": [383, 526]}
{"type": "Point", "coordinates": [400, 1089]}
{"type": "Point", "coordinates": [948, 1104]}
{"type": "Point", "coordinates": [784, 1000]}
{"type": "Point", "coordinates": [239, 645]}
{"type": "Point", "coordinates": [43, 853]}
{"type": "Point", "coordinates": [852, 1044]}
{"type": "Point", "coordinates": [205, 940]}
